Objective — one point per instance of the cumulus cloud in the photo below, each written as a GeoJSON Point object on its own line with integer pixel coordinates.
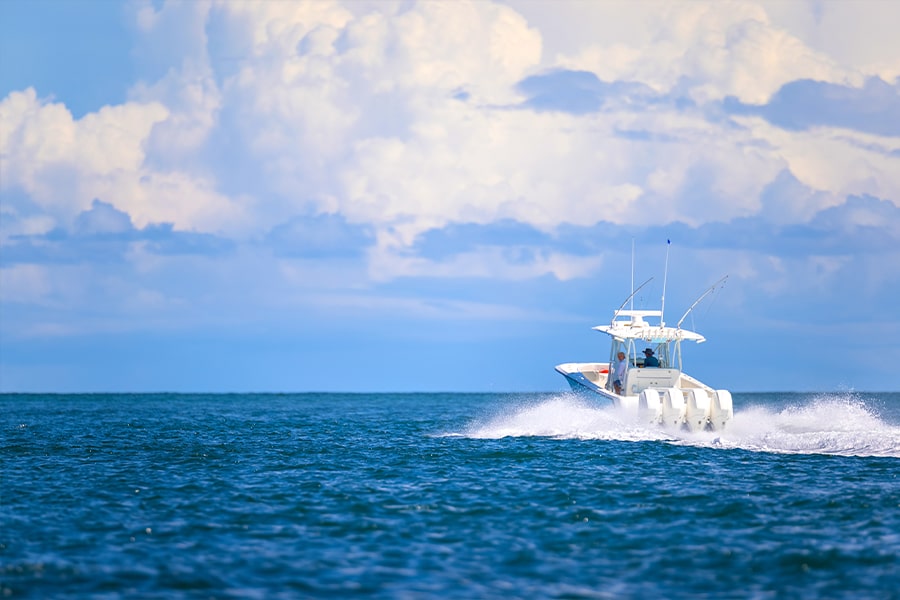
{"type": "Point", "coordinates": [872, 108]}
{"type": "Point", "coordinates": [103, 235]}
{"type": "Point", "coordinates": [832, 162]}
{"type": "Point", "coordinates": [328, 129]}
{"type": "Point", "coordinates": [102, 218]}
{"type": "Point", "coordinates": [63, 164]}
{"type": "Point", "coordinates": [489, 262]}
{"type": "Point", "coordinates": [707, 51]}
{"type": "Point", "coordinates": [857, 34]}
{"type": "Point", "coordinates": [53, 157]}
{"type": "Point", "coordinates": [320, 236]}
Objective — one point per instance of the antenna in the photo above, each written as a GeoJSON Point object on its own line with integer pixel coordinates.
{"type": "Point", "coordinates": [697, 301]}
{"type": "Point", "coordinates": [632, 274]}
{"type": "Point", "coordinates": [662, 310]}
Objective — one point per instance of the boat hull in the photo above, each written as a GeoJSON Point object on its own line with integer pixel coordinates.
{"type": "Point", "coordinates": [582, 385]}
{"type": "Point", "coordinates": [681, 401]}
{"type": "Point", "coordinates": [589, 379]}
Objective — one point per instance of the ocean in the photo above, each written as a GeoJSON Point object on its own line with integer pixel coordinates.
{"type": "Point", "coordinates": [445, 496]}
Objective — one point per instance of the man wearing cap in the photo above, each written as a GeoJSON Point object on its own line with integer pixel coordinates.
{"type": "Point", "coordinates": [649, 359]}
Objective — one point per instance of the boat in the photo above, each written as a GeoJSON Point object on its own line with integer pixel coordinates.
{"type": "Point", "coordinates": [652, 384]}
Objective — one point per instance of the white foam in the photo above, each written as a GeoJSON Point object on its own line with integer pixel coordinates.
{"type": "Point", "coordinates": [564, 416]}
{"type": "Point", "coordinates": [831, 424]}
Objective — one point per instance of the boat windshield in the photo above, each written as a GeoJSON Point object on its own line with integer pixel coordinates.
{"type": "Point", "coordinates": [666, 352]}
{"type": "Point", "coordinates": [660, 350]}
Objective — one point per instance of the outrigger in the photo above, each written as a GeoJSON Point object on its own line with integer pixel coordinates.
{"type": "Point", "coordinates": [662, 394]}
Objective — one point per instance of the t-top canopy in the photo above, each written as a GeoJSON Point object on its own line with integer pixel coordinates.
{"type": "Point", "coordinates": [630, 324]}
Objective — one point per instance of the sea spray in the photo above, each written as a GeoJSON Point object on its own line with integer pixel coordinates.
{"type": "Point", "coordinates": [840, 424]}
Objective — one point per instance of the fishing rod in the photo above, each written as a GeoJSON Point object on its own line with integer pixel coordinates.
{"type": "Point", "coordinates": [621, 306]}
{"type": "Point", "coordinates": [697, 301]}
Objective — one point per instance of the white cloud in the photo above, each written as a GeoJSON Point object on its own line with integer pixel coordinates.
{"type": "Point", "coordinates": [861, 34]}
{"type": "Point", "coordinates": [64, 164]}
{"type": "Point", "coordinates": [317, 85]}
{"type": "Point", "coordinates": [505, 264]}
{"type": "Point", "coordinates": [193, 100]}
{"type": "Point", "coordinates": [838, 161]}
{"type": "Point", "coordinates": [28, 284]}
{"type": "Point", "coordinates": [37, 134]}
{"type": "Point", "coordinates": [709, 51]}
{"type": "Point", "coordinates": [276, 28]}
{"type": "Point", "coordinates": [499, 48]}
{"type": "Point", "coordinates": [171, 33]}
{"type": "Point", "coordinates": [400, 116]}
{"type": "Point", "coordinates": [392, 307]}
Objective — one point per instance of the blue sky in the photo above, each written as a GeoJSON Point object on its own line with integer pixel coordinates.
{"type": "Point", "coordinates": [416, 196]}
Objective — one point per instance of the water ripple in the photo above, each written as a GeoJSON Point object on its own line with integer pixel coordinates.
{"type": "Point", "coordinates": [418, 496]}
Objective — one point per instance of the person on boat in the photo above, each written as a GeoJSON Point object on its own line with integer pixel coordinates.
{"type": "Point", "coordinates": [649, 359]}
{"type": "Point", "coordinates": [619, 373]}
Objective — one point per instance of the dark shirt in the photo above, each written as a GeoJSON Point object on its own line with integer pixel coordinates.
{"type": "Point", "coordinates": [651, 361]}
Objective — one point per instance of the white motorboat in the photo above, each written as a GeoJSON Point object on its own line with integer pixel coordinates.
{"type": "Point", "coordinates": [656, 391]}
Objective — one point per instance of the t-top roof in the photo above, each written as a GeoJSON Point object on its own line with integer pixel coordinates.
{"type": "Point", "coordinates": [630, 324]}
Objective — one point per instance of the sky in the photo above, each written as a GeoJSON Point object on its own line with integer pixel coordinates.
{"type": "Point", "coordinates": [279, 196]}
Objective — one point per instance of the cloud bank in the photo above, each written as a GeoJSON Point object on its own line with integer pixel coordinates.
{"type": "Point", "coordinates": [321, 156]}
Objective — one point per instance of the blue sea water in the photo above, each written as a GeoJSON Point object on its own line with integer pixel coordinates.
{"type": "Point", "coordinates": [445, 496]}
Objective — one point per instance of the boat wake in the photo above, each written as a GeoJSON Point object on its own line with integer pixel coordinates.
{"type": "Point", "coordinates": [839, 424]}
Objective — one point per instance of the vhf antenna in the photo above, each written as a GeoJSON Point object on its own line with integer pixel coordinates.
{"type": "Point", "coordinates": [662, 311]}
